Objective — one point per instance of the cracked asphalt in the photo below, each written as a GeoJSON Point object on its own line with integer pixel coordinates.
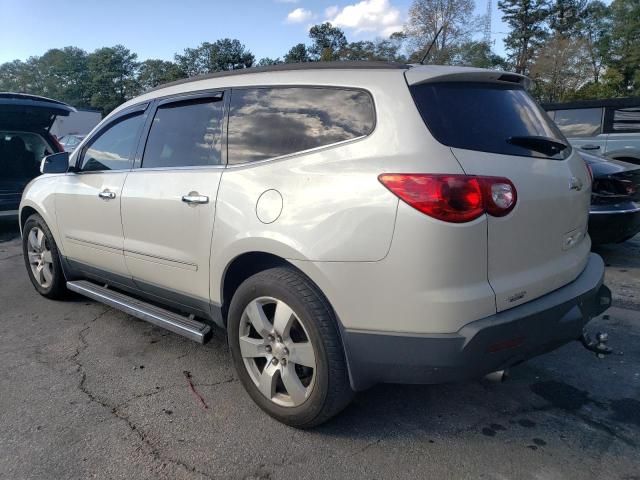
{"type": "Point", "coordinates": [89, 392]}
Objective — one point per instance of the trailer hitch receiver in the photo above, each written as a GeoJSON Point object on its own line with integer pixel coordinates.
{"type": "Point", "coordinates": [597, 345]}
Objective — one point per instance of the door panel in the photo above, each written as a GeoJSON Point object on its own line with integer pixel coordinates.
{"type": "Point", "coordinates": [88, 202]}
{"type": "Point", "coordinates": [596, 144]}
{"type": "Point", "coordinates": [168, 241]}
{"type": "Point", "coordinates": [90, 225]}
{"type": "Point", "coordinates": [168, 203]}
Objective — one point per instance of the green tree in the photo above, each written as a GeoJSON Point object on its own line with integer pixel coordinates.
{"type": "Point", "coordinates": [224, 54]}
{"type": "Point", "coordinates": [327, 42]}
{"type": "Point", "coordinates": [565, 17]}
{"type": "Point", "coordinates": [427, 17]}
{"type": "Point", "coordinates": [625, 43]}
{"type": "Point", "coordinates": [19, 76]}
{"type": "Point", "coordinates": [560, 68]}
{"type": "Point", "coordinates": [297, 54]}
{"type": "Point", "coordinates": [526, 19]}
{"type": "Point", "coordinates": [386, 50]}
{"type": "Point", "coordinates": [112, 71]}
{"type": "Point", "coordinates": [64, 75]}
{"type": "Point", "coordinates": [265, 62]}
{"type": "Point", "coordinates": [152, 73]}
{"type": "Point", "coordinates": [607, 87]}
{"type": "Point", "coordinates": [595, 26]}
{"type": "Point", "coordinates": [477, 54]}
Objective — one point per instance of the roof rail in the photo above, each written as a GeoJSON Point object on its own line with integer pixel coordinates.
{"type": "Point", "coordinates": [340, 65]}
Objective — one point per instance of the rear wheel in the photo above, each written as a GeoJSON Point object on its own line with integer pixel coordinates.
{"type": "Point", "coordinates": [286, 349]}
{"type": "Point", "coordinates": [42, 258]}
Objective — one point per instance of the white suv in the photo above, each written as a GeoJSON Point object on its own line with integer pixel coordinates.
{"type": "Point", "coordinates": [346, 223]}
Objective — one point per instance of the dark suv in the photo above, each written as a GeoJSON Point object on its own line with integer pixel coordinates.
{"type": "Point", "coordinates": [25, 121]}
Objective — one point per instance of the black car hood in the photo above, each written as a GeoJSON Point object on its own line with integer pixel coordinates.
{"type": "Point", "coordinates": [19, 111]}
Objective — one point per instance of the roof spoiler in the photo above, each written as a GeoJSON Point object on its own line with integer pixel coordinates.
{"type": "Point", "coordinates": [431, 73]}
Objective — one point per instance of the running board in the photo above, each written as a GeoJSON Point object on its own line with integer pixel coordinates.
{"type": "Point", "coordinates": [185, 326]}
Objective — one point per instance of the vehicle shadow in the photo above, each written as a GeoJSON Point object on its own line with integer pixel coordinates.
{"type": "Point", "coordinates": [625, 254]}
{"type": "Point", "coordinates": [9, 229]}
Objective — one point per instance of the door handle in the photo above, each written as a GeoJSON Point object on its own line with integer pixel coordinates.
{"type": "Point", "coordinates": [107, 194]}
{"type": "Point", "coordinates": [590, 147]}
{"type": "Point", "coordinates": [194, 198]}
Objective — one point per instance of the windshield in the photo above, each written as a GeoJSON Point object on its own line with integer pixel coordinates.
{"type": "Point", "coordinates": [488, 117]}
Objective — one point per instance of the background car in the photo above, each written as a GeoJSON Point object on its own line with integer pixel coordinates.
{"type": "Point", "coordinates": [615, 200]}
{"type": "Point", "coordinates": [606, 127]}
{"type": "Point", "coordinates": [25, 139]}
{"type": "Point", "coordinates": [70, 142]}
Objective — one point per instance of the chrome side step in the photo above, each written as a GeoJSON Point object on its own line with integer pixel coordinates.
{"type": "Point", "coordinates": [185, 326]}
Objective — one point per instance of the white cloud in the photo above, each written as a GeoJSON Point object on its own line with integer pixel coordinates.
{"type": "Point", "coordinates": [376, 16]}
{"type": "Point", "coordinates": [331, 11]}
{"type": "Point", "coordinates": [299, 15]}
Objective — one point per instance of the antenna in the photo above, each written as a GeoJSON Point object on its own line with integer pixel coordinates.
{"type": "Point", "coordinates": [433, 42]}
{"type": "Point", "coordinates": [487, 24]}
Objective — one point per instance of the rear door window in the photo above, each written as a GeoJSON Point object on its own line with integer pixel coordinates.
{"type": "Point", "coordinates": [626, 120]}
{"type": "Point", "coordinates": [486, 117]}
{"type": "Point", "coordinates": [114, 147]}
{"type": "Point", "coordinates": [186, 133]}
{"type": "Point", "coordinates": [272, 122]}
{"type": "Point", "coordinates": [579, 122]}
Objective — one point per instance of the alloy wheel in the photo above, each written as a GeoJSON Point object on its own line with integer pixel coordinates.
{"type": "Point", "coordinates": [40, 258]}
{"type": "Point", "coordinates": [277, 351]}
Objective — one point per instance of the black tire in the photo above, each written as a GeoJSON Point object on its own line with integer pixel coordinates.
{"type": "Point", "coordinates": [331, 392]}
{"type": "Point", "coordinates": [57, 288]}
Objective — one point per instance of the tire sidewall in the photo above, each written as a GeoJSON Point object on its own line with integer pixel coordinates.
{"type": "Point", "coordinates": [260, 285]}
{"type": "Point", "coordinates": [31, 223]}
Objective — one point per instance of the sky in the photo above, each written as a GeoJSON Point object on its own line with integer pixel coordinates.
{"type": "Point", "coordinates": [161, 28]}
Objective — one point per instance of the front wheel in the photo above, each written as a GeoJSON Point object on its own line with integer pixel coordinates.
{"type": "Point", "coordinates": [286, 349]}
{"type": "Point", "coordinates": [42, 258]}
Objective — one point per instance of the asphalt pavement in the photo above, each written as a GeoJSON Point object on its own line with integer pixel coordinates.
{"type": "Point", "coordinates": [89, 392]}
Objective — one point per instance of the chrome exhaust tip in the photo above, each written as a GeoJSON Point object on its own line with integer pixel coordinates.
{"type": "Point", "coordinates": [498, 376]}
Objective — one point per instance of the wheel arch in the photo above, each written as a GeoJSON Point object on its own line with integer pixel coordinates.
{"type": "Point", "coordinates": [25, 213]}
{"type": "Point", "coordinates": [249, 263]}
{"type": "Point", "coordinates": [28, 208]}
{"type": "Point", "coordinates": [244, 266]}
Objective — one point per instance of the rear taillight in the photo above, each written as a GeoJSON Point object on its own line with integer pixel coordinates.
{"type": "Point", "coordinates": [590, 172]}
{"type": "Point", "coordinates": [453, 198]}
{"type": "Point", "coordinates": [57, 144]}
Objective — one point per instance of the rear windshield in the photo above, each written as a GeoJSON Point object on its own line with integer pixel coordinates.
{"type": "Point", "coordinates": [489, 118]}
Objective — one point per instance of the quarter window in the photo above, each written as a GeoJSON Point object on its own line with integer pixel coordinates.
{"type": "Point", "coordinates": [271, 122]}
{"type": "Point", "coordinates": [579, 122]}
{"type": "Point", "coordinates": [185, 133]}
{"type": "Point", "coordinates": [113, 148]}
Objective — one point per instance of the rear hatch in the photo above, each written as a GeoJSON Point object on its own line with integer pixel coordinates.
{"type": "Point", "coordinates": [22, 113]}
{"type": "Point", "coordinates": [30, 113]}
{"type": "Point", "coordinates": [495, 128]}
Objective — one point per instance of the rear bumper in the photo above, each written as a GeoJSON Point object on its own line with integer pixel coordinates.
{"type": "Point", "coordinates": [483, 346]}
{"type": "Point", "coordinates": [615, 225]}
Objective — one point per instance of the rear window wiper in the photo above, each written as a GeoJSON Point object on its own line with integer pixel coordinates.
{"type": "Point", "coordinates": [545, 145]}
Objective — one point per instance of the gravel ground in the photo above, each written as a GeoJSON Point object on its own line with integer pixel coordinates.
{"type": "Point", "coordinates": [88, 392]}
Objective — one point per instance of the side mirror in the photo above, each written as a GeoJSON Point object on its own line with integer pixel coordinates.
{"type": "Point", "coordinates": [56, 163]}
